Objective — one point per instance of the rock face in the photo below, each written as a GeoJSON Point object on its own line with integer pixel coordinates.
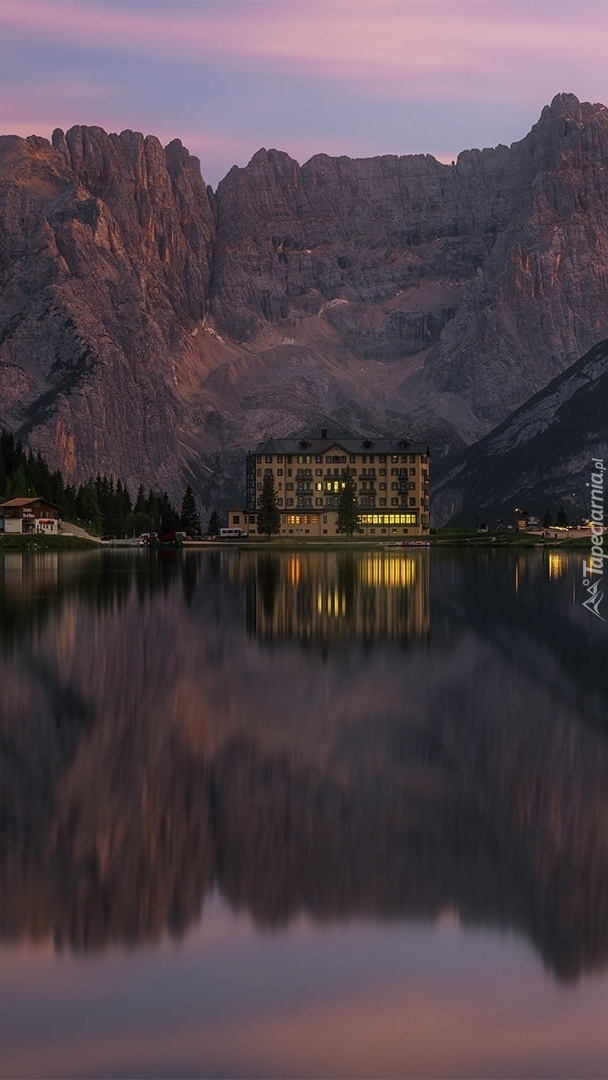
{"type": "Point", "coordinates": [155, 330]}
{"type": "Point", "coordinates": [104, 260]}
{"type": "Point", "coordinates": [541, 456]}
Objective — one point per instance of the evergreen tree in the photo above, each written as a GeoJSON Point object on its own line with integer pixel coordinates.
{"type": "Point", "coordinates": [141, 503]}
{"type": "Point", "coordinates": [123, 507]}
{"type": "Point", "coordinates": [169, 517]}
{"type": "Point", "coordinates": [137, 523]}
{"type": "Point", "coordinates": [213, 527]}
{"type": "Point", "coordinates": [18, 485]}
{"type": "Point", "coordinates": [269, 517]}
{"type": "Point", "coordinates": [11, 452]}
{"type": "Point", "coordinates": [190, 521]}
{"type": "Point", "coordinates": [70, 503]}
{"type": "Point", "coordinates": [58, 490]}
{"type": "Point", "coordinates": [88, 505]}
{"type": "Point", "coordinates": [348, 506]}
{"type": "Point", "coordinates": [562, 517]}
{"type": "Point", "coordinates": [547, 520]}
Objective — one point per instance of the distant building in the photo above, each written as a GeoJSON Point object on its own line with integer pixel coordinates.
{"type": "Point", "coordinates": [30, 515]}
{"type": "Point", "coordinates": [391, 477]}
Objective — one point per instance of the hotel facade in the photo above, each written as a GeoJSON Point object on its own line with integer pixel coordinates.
{"type": "Point", "coordinates": [391, 481]}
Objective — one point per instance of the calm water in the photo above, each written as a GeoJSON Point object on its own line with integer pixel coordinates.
{"type": "Point", "coordinates": [283, 816]}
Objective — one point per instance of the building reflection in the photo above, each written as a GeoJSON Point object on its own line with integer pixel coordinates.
{"type": "Point", "coordinates": [339, 597]}
{"type": "Point", "coordinates": [557, 564]}
{"type": "Point", "coordinates": [40, 571]}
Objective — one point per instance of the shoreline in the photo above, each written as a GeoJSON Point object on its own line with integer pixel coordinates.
{"type": "Point", "coordinates": [508, 541]}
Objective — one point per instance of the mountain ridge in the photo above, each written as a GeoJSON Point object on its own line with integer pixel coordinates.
{"type": "Point", "coordinates": [541, 455]}
{"type": "Point", "coordinates": [153, 328]}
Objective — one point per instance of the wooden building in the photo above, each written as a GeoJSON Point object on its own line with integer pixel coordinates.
{"type": "Point", "coordinates": [30, 515]}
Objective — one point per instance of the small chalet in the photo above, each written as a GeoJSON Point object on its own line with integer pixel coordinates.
{"type": "Point", "coordinates": [29, 515]}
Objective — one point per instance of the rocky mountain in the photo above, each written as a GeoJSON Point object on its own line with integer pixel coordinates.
{"type": "Point", "coordinates": [155, 329]}
{"type": "Point", "coordinates": [540, 457]}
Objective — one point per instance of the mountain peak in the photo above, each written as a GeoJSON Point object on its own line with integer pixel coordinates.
{"type": "Point", "coordinates": [271, 157]}
{"type": "Point", "coordinates": [565, 105]}
{"type": "Point", "coordinates": [566, 108]}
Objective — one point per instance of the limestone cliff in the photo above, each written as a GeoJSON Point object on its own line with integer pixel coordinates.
{"type": "Point", "coordinates": [154, 329]}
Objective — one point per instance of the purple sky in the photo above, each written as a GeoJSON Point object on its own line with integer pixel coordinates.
{"type": "Point", "coordinates": [306, 76]}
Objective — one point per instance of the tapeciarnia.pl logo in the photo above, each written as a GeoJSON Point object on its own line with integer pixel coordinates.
{"type": "Point", "coordinates": [593, 571]}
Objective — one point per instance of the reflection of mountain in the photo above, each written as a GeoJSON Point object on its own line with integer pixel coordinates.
{"type": "Point", "coordinates": [530, 607]}
{"type": "Point", "coordinates": [152, 750]}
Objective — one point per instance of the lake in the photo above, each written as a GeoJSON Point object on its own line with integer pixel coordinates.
{"type": "Point", "coordinates": [318, 814]}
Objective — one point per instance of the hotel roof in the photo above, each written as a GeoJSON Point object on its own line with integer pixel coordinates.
{"type": "Point", "coordinates": [351, 444]}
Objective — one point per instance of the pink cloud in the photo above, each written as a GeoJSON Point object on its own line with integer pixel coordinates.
{"type": "Point", "coordinates": [416, 48]}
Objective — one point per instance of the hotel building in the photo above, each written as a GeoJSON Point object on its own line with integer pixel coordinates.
{"type": "Point", "coordinates": [391, 481]}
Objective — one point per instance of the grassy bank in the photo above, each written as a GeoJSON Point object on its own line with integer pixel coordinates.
{"type": "Point", "coordinates": [41, 542]}
{"type": "Point", "coordinates": [441, 538]}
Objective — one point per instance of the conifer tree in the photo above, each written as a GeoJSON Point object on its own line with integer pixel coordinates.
{"type": "Point", "coordinates": [190, 520]}
{"type": "Point", "coordinates": [269, 516]}
{"type": "Point", "coordinates": [348, 506]}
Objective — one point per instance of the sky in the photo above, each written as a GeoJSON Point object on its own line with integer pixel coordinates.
{"type": "Point", "coordinates": [356, 77]}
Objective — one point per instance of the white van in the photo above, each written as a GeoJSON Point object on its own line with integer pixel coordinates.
{"type": "Point", "coordinates": [233, 534]}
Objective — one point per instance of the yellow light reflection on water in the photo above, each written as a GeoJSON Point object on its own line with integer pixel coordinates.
{"type": "Point", "coordinates": [295, 570]}
{"type": "Point", "coordinates": [389, 571]}
{"type": "Point", "coordinates": [556, 564]}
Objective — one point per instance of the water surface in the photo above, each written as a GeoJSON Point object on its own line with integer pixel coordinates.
{"type": "Point", "coordinates": [302, 815]}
